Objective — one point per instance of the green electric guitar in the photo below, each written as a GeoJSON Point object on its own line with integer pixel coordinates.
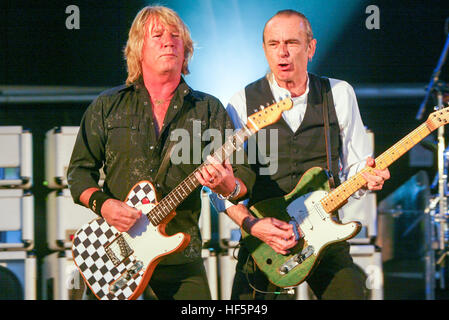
{"type": "Point", "coordinates": [310, 206]}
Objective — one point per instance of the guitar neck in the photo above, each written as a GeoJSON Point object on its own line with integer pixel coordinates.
{"type": "Point", "coordinates": [339, 195]}
{"type": "Point", "coordinates": [170, 202]}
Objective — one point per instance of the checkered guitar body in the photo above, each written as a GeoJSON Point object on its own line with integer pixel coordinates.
{"type": "Point", "coordinates": [118, 265]}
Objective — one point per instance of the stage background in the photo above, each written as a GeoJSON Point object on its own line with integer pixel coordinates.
{"type": "Point", "coordinates": [39, 52]}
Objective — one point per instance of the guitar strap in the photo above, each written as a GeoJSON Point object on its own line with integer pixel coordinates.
{"type": "Point", "coordinates": [164, 164]}
{"type": "Point", "coordinates": [326, 94]}
{"type": "Point", "coordinates": [165, 161]}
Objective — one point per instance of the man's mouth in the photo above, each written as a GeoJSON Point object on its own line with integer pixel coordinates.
{"type": "Point", "coordinates": [284, 66]}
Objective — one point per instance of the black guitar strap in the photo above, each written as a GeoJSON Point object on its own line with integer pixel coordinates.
{"type": "Point", "coordinates": [326, 94]}
{"type": "Point", "coordinates": [165, 161]}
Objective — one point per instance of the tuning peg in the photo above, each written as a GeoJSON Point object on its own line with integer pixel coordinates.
{"type": "Point", "coordinates": [262, 107]}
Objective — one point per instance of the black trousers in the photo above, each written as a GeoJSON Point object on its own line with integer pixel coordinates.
{"type": "Point", "coordinates": [336, 277]}
{"type": "Point", "coordinates": [179, 282]}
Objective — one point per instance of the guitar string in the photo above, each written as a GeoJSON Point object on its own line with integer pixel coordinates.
{"type": "Point", "coordinates": [241, 134]}
{"type": "Point", "coordinates": [357, 181]}
{"type": "Point", "coordinates": [170, 202]}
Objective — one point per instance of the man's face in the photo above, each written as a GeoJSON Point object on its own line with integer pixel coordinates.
{"type": "Point", "coordinates": [163, 48]}
{"type": "Point", "coordinates": [287, 49]}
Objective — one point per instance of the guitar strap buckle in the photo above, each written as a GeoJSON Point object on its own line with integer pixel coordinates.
{"type": "Point", "coordinates": [330, 178]}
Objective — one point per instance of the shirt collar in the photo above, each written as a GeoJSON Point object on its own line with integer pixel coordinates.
{"type": "Point", "coordinates": [182, 88]}
{"type": "Point", "coordinates": [281, 93]}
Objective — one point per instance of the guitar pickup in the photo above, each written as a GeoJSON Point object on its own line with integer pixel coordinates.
{"type": "Point", "coordinates": [296, 260]}
{"type": "Point", "coordinates": [126, 276]}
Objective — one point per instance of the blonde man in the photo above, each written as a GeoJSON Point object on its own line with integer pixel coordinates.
{"type": "Point", "coordinates": [127, 131]}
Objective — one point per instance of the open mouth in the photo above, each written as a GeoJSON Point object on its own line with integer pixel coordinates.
{"type": "Point", "coordinates": [284, 66]}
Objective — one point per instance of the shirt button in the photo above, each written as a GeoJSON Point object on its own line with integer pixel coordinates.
{"type": "Point", "coordinates": [176, 107]}
{"type": "Point", "coordinates": [151, 147]}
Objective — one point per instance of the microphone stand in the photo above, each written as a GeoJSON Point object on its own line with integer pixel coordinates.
{"type": "Point", "coordinates": [434, 78]}
{"type": "Point", "coordinates": [437, 87]}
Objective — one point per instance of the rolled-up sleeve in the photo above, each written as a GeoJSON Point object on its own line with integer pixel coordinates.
{"type": "Point", "coordinates": [88, 152]}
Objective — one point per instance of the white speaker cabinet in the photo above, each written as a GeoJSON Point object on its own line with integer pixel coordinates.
{"type": "Point", "coordinates": [17, 275]}
{"type": "Point", "coordinates": [227, 263]}
{"type": "Point", "coordinates": [16, 219]}
{"type": "Point", "coordinates": [64, 218]}
{"type": "Point", "coordinates": [211, 266]}
{"type": "Point", "coordinates": [59, 143]}
{"type": "Point", "coordinates": [16, 157]}
{"type": "Point", "coordinates": [61, 279]}
{"type": "Point", "coordinates": [205, 222]}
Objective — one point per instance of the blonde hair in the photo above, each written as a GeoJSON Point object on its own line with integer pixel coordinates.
{"type": "Point", "coordinates": [136, 36]}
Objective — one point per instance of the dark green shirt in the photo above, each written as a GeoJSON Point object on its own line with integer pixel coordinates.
{"type": "Point", "coordinates": [117, 133]}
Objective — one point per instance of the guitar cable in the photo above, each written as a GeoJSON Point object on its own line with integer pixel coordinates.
{"type": "Point", "coordinates": [288, 291]}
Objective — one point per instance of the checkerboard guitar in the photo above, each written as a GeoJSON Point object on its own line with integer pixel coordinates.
{"type": "Point", "coordinates": [118, 265]}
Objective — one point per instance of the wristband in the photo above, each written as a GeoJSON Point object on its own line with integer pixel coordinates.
{"type": "Point", "coordinates": [96, 201]}
{"type": "Point", "coordinates": [233, 194]}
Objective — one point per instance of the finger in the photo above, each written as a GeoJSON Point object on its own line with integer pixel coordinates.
{"type": "Point", "coordinates": [218, 166]}
{"type": "Point", "coordinates": [370, 162]}
{"type": "Point", "coordinates": [216, 171]}
{"type": "Point", "coordinates": [281, 224]}
{"type": "Point", "coordinates": [209, 172]}
{"type": "Point", "coordinates": [200, 178]}
{"type": "Point", "coordinates": [227, 165]}
{"type": "Point", "coordinates": [385, 174]}
{"type": "Point", "coordinates": [121, 226]}
{"type": "Point", "coordinates": [283, 246]}
{"type": "Point", "coordinates": [277, 248]}
{"type": "Point", "coordinates": [376, 179]}
{"type": "Point", "coordinates": [370, 178]}
{"type": "Point", "coordinates": [135, 214]}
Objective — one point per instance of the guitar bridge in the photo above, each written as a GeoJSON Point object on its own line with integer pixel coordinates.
{"type": "Point", "coordinates": [118, 250]}
{"type": "Point", "coordinates": [296, 260]}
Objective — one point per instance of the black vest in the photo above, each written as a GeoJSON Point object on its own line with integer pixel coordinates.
{"type": "Point", "coordinates": [296, 151]}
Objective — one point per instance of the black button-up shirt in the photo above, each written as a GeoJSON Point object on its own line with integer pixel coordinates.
{"type": "Point", "coordinates": [117, 133]}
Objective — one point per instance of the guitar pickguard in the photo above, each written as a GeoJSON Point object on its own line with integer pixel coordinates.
{"type": "Point", "coordinates": [317, 227]}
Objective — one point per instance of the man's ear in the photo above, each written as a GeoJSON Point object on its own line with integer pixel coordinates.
{"type": "Point", "coordinates": [311, 49]}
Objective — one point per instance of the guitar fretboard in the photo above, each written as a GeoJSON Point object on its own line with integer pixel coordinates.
{"type": "Point", "coordinates": [339, 195]}
{"type": "Point", "coordinates": [170, 202]}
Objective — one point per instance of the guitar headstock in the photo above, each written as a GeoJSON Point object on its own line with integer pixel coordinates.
{"type": "Point", "coordinates": [268, 115]}
{"type": "Point", "coordinates": [438, 118]}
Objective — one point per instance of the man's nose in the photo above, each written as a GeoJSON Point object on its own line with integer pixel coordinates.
{"type": "Point", "coordinates": [168, 40]}
{"type": "Point", "coordinates": [283, 50]}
